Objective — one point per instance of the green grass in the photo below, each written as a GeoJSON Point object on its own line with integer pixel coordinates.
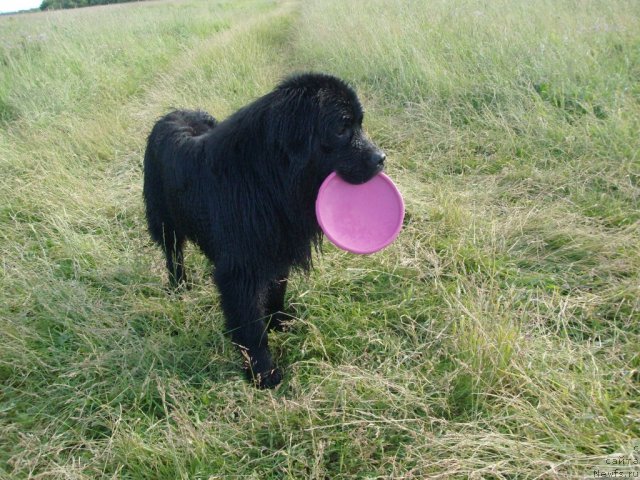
{"type": "Point", "coordinates": [498, 337]}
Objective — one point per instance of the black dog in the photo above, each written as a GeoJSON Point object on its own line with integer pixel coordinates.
{"type": "Point", "coordinates": [244, 191]}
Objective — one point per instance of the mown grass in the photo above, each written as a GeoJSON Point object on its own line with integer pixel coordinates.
{"type": "Point", "coordinates": [496, 338]}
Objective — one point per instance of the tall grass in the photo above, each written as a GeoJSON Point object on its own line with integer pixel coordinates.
{"type": "Point", "coordinates": [496, 338]}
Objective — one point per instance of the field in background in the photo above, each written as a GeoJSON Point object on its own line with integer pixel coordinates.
{"type": "Point", "coordinates": [499, 337]}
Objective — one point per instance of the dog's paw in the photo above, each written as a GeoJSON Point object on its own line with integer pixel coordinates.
{"type": "Point", "coordinates": [269, 379]}
{"type": "Point", "coordinates": [177, 289]}
{"type": "Point", "coordinates": [260, 369]}
{"type": "Point", "coordinates": [280, 322]}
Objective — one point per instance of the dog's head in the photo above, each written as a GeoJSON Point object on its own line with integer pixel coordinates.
{"type": "Point", "coordinates": [327, 126]}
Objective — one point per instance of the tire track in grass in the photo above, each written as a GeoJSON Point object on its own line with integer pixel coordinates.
{"type": "Point", "coordinates": [199, 62]}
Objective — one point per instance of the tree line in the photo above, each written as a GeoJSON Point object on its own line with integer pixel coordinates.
{"type": "Point", "coordinates": [56, 4]}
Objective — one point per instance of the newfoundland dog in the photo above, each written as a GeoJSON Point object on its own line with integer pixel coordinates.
{"type": "Point", "coordinates": [244, 191]}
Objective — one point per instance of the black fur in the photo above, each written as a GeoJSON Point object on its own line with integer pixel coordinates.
{"type": "Point", "coordinates": [244, 191]}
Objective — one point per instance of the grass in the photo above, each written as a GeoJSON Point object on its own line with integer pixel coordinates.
{"type": "Point", "coordinates": [498, 337]}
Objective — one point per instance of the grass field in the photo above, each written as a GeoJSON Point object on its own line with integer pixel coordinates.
{"type": "Point", "coordinates": [497, 338]}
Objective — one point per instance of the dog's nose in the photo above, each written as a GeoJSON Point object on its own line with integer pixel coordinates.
{"type": "Point", "coordinates": [378, 158]}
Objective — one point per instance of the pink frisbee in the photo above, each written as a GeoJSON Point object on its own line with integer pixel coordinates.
{"type": "Point", "coordinates": [360, 218]}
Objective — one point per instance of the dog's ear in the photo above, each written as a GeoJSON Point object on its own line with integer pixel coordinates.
{"type": "Point", "coordinates": [292, 124]}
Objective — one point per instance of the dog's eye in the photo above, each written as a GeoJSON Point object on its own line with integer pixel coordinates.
{"type": "Point", "coordinates": [344, 132]}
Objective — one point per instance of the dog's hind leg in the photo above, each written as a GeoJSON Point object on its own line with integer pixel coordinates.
{"type": "Point", "coordinates": [159, 220]}
{"type": "Point", "coordinates": [173, 250]}
{"type": "Point", "coordinates": [171, 243]}
{"type": "Point", "coordinates": [240, 297]}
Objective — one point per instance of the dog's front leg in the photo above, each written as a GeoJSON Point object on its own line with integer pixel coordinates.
{"type": "Point", "coordinates": [274, 304]}
{"type": "Point", "coordinates": [240, 297]}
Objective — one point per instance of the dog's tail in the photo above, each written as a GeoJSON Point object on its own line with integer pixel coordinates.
{"type": "Point", "coordinates": [191, 122]}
